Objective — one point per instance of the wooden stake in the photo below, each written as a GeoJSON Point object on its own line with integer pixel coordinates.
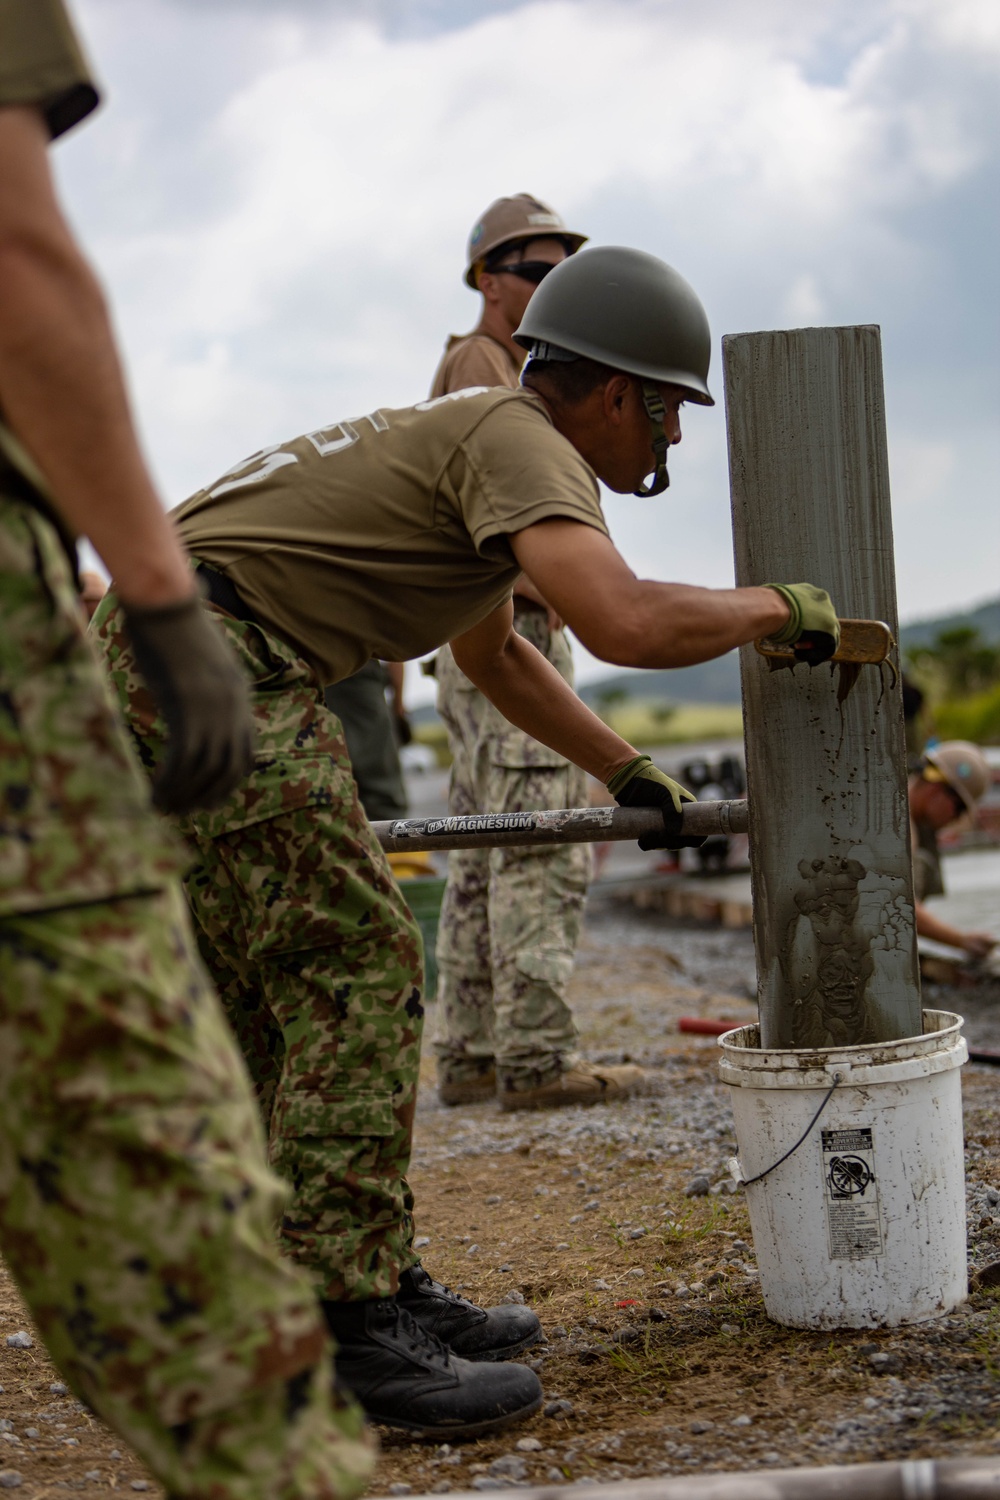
{"type": "Point", "coordinates": [829, 824]}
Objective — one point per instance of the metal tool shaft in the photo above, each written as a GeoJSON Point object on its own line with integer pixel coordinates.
{"type": "Point", "coordinates": [570, 825]}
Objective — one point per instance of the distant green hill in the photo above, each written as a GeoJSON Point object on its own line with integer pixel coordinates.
{"type": "Point", "coordinates": [711, 682]}
{"type": "Point", "coordinates": [985, 618]}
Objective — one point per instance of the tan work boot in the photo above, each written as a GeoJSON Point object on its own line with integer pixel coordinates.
{"type": "Point", "coordinates": [583, 1083]}
{"type": "Point", "coordinates": [468, 1090]}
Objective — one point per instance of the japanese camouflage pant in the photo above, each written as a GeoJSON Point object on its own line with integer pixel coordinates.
{"type": "Point", "coordinates": [317, 960]}
{"type": "Point", "coordinates": [510, 918]}
{"type": "Point", "coordinates": [136, 1207]}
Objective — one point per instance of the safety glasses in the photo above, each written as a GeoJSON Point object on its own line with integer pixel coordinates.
{"type": "Point", "coordinates": [534, 271]}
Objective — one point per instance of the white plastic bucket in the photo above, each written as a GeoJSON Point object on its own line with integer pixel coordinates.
{"type": "Point", "coordinates": [863, 1224]}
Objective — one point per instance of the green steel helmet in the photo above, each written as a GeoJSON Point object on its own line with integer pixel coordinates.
{"type": "Point", "coordinates": [625, 309]}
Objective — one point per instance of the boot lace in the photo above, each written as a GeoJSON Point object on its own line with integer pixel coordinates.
{"type": "Point", "coordinates": [406, 1330]}
{"type": "Point", "coordinates": [420, 1276]}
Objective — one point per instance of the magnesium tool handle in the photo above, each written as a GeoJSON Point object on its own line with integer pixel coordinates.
{"type": "Point", "coordinates": [569, 825]}
{"type": "Point", "coordinates": [861, 641]}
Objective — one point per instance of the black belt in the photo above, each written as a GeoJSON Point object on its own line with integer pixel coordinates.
{"type": "Point", "coordinates": [222, 591]}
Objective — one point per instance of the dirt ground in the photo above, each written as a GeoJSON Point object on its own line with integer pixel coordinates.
{"type": "Point", "coordinates": [659, 1357]}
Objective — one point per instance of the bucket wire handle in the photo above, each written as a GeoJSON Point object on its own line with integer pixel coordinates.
{"type": "Point", "coordinates": [838, 1078]}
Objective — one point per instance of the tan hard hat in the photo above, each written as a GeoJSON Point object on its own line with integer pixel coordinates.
{"type": "Point", "coordinates": [511, 219]}
{"type": "Point", "coordinates": [963, 766]}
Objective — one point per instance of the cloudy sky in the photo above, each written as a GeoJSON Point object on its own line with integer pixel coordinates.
{"type": "Point", "coordinates": [278, 193]}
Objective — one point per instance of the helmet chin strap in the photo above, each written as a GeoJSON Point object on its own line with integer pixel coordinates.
{"type": "Point", "coordinates": [657, 413]}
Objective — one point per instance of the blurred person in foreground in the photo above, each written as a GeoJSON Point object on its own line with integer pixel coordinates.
{"type": "Point", "coordinates": [952, 779]}
{"type": "Point", "coordinates": [510, 917]}
{"type": "Point", "coordinates": [136, 1206]}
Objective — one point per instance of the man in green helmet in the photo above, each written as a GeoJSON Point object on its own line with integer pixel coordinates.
{"type": "Point", "coordinates": [386, 536]}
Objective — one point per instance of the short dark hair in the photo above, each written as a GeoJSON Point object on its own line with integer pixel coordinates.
{"type": "Point", "coordinates": [568, 381]}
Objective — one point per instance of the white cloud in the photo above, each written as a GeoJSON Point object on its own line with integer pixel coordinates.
{"type": "Point", "coordinates": [279, 201]}
{"type": "Point", "coordinates": [804, 306]}
{"type": "Point", "coordinates": [922, 469]}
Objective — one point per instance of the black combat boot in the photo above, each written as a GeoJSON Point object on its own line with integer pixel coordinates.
{"type": "Point", "coordinates": [405, 1377]}
{"type": "Point", "coordinates": [479, 1333]}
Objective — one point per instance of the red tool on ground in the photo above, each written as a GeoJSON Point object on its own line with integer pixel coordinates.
{"type": "Point", "coordinates": [702, 1026]}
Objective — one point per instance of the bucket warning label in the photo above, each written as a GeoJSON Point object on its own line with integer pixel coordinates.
{"type": "Point", "coordinates": [850, 1191]}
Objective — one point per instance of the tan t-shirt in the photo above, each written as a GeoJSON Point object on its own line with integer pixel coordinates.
{"type": "Point", "coordinates": [474, 359]}
{"type": "Point", "coordinates": [388, 535]}
{"type": "Point", "coordinates": [41, 62]}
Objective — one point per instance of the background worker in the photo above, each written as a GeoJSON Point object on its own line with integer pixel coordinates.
{"type": "Point", "coordinates": [954, 776]}
{"type": "Point", "coordinates": [510, 918]}
{"type": "Point", "coordinates": [510, 251]}
{"type": "Point", "coordinates": [374, 729]}
{"type": "Point", "coordinates": [427, 516]}
{"type": "Point", "coordinates": [136, 1206]}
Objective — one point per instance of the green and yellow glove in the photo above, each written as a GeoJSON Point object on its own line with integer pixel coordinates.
{"type": "Point", "coordinates": [640, 784]}
{"type": "Point", "coordinates": [813, 630]}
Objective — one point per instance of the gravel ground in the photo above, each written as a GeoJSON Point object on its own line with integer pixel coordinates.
{"type": "Point", "coordinates": [618, 1225]}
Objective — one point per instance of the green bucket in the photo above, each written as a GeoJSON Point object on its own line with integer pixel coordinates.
{"type": "Point", "coordinates": [423, 896]}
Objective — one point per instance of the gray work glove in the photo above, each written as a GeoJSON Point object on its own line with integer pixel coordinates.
{"type": "Point", "coordinates": [640, 784]}
{"type": "Point", "coordinates": [813, 630]}
{"type": "Point", "coordinates": [202, 693]}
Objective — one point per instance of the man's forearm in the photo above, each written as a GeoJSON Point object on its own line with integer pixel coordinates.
{"type": "Point", "coordinates": [679, 625]}
{"type": "Point", "coordinates": [932, 927]}
{"type": "Point", "coordinates": [634, 622]}
{"type": "Point", "coordinates": [529, 692]}
{"type": "Point", "coordinates": [62, 392]}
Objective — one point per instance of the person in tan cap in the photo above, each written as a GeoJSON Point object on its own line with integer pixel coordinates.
{"type": "Point", "coordinates": [510, 251]}
{"type": "Point", "coordinates": [510, 919]}
{"type": "Point", "coordinates": [953, 778]}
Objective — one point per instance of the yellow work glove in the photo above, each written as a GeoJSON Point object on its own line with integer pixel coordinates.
{"type": "Point", "coordinates": [813, 630]}
{"type": "Point", "coordinates": [640, 784]}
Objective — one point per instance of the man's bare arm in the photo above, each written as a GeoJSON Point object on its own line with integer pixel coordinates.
{"type": "Point", "coordinates": [531, 694]}
{"type": "Point", "coordinates": [630, 621]}
{"type": "Point", "coordinates": [396, 671]}
{"type": "Point", "coordinates": [977, 944]}
{"type": "Point", "coordinates": [63, 399]}
{"type": "Point", "coordinates": [524, 587]}
{"type": "Point", "coordinates": [61, 387]}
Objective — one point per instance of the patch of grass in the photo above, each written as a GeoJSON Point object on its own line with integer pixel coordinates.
{"type": "Point", "coordinates": [662, 1364]}
{"type": "Point", "coordinates": [642, 723]}
{"type": "Point", "coordinates": [987, 1344]}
